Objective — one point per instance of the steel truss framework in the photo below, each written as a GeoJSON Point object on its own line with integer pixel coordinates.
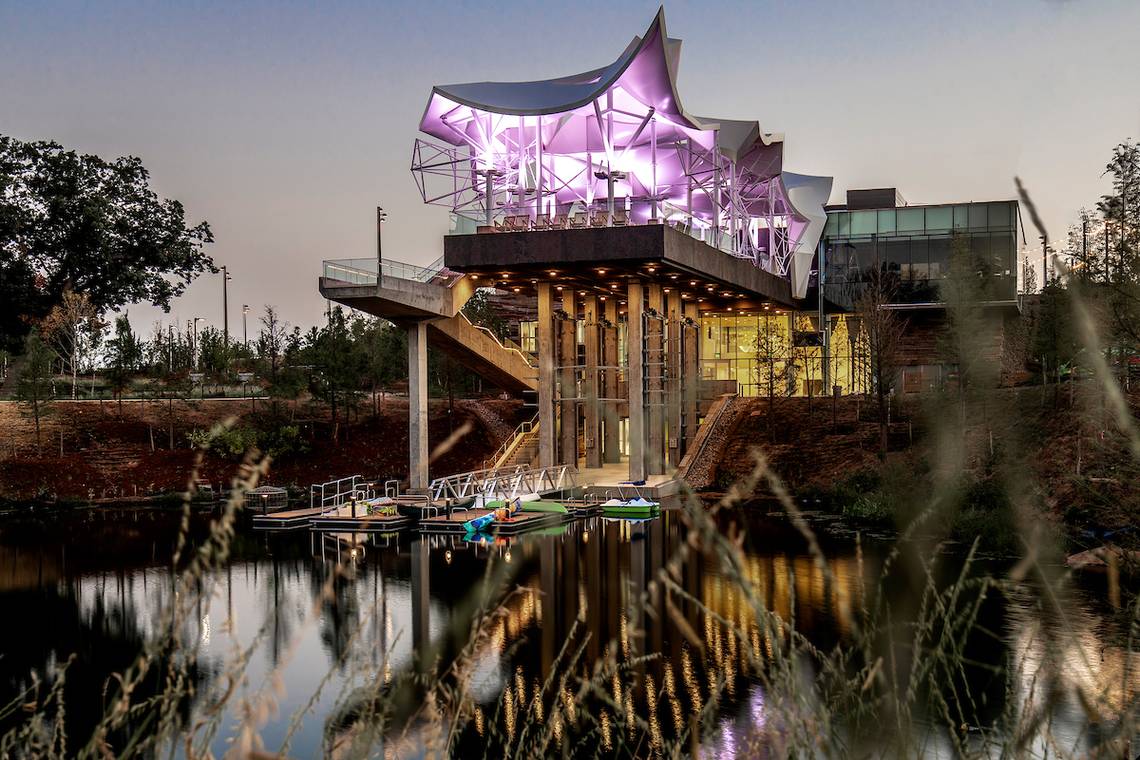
{"type": "Point", "coordinates": [509, 171]}
{"type": "Point", "coordinates": [612, 146]}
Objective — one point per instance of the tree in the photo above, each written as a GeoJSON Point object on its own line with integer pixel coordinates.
{"type": "Point", "coordinates": [882, 330]}
{"type": "Point", "coordinates": [79, 222]}
{"type": "Point", "coordinates": [384, 348]}
{"type": "Point", "coordinates": [774, 371]}
{"type": "Point", "coordinates": [339, 365]}
{"type": "Point", "coordinates": [73, 329]}
{"type": "Point", "coordinates": [482, 313]}
{"type": "Point", "coordinates": [278, 353]}
{"type": "Point", "coordinates": [34, 386]}
{"type": "Point", "coordinates": [124, 353]}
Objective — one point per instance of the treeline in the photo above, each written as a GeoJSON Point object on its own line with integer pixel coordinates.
{"type": "Point", "coordinates": [350, 358]}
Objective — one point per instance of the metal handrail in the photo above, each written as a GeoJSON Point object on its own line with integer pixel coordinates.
{"type": "Point", "coordinates": [505, 484]}
{"type": "Point", "coordinates": [511, 443]}
{"type": "Point", "coordinates": [530, 361]}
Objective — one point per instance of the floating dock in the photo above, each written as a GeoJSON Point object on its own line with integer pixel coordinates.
{"type": "Point", "coordinates": [361, 523]}
{"type": "Point", "coordinates": [290, 519]}
{"type": "Point", "coordinates": [522, 522]}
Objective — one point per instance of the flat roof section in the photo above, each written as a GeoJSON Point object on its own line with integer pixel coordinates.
{"type": "Point", "coordinates": [599, 261]}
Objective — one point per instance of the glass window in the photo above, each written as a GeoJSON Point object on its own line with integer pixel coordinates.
{"type": "Point", "coordinates": [863, 223]}
{"type": "Point", "coordinates": [919, 261]}
{"type": "Point", "coordinates": [1000, 215]}
{"type": "Point", "coordinates": [832, 227]}
{"type": "Point", "coordinates": [896, 255]}
{"type": "Point", "coordinates": [887, 220]}
{"type": "Point", "coordinates": [939, 218]}
{"type": "Point", "coordinates": [1002, 253]}
{"type": "Point", "coordinates": [980, 248]}
{"type": "Point", "coordinates": [961, 217]}
{"type": "Point", "coordinates": [939, 257]}
{"type": "Point", "coordinates": [844, 225]}
{"type": "Point", "coordinates": [979, 218]}
{"type": "Point", "coordinates": [864, 258]}
{"type": "Point", "coordinates": [910, 220]}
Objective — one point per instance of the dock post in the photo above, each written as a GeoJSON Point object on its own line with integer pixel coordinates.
{"type": "Point", "coordinates": [417, 406]}
{"type": "Point", "coordinates": [592, 412]}
{"type": "Point", "coordinates": [545, 336]}
{"type": "Point", "coordinates": [568, 358]}
{"type": "Point", "coordinates": [635, 378]}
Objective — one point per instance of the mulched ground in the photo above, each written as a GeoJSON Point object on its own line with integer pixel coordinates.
{"type": "Point", "coordinates": [111, 452]}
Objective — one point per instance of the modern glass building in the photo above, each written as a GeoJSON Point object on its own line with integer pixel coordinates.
{"type": "Point", "coordinates": [911, 247]}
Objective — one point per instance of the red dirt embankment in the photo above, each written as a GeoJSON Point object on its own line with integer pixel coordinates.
{"type": "Point", "coordinates": [91, 449]}
{"type": "Point", "coordinates": [1064, 447]}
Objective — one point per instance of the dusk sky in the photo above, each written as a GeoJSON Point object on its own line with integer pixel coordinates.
{"type": "Point", "coordinates": [285, 124]}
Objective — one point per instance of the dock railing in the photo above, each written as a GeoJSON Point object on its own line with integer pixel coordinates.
{"type": "Point", "coordinates": [335, 493]}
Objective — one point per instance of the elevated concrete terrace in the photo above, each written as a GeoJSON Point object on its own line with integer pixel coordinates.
{"type": "Point", "coordinates": [600, 261]}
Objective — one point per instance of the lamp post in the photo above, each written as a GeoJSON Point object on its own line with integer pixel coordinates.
{"type": "Point", "coordinates": [381, 217]}
{"type": "Point", "coordinates": [225, 308]}
{"type": "Point", "coordinates": [244, 331]}
{"type": "Point", "coordinates": [194, 344]}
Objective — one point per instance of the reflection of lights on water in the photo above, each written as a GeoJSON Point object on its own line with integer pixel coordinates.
{"type": "Point", "coordinates": [607, 742]}
{"type": "Point", "coordinates": [507, 555]}
{"type": "Point", "coordinates": [447, 556]}
{"type": "Point", "coordinates": [479, 720]}
{"type": "Point", "coordinates": [585, 536]}
{"type": "Point", "coordinates": [206, 630]}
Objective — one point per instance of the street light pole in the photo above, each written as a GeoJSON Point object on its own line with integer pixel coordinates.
{"type": "Point", "coordinates": [194, 345]}
{"type": "Point", "coordinates": [225, 307]}
{"type": "Point", "coordinates": [244, 331]}
{"type": "Point", "coordinates": [381, 215]}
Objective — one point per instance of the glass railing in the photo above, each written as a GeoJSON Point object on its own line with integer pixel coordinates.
{"type": "Point", "coordinates": [363, 271]}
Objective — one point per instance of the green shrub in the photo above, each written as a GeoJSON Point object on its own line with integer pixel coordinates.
{"type": "Point", "coordinates": [282, 441]}
{"type": "Point", "coordinates": [226, 442]}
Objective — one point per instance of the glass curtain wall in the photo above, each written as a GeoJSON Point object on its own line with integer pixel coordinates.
{"type": "Point", "coordinates": [912, 247]}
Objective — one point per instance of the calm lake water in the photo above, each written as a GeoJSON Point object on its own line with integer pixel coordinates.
{"type": "Point", "coordinates": [91, 583]}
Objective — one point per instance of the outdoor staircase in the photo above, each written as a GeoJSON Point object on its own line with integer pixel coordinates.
{"type": "Point", "coordinates": [519, 449]}
{"type": "Point", "coordinates": [698, 466]}
{"type": "Point", "coordinates": [501, 363]}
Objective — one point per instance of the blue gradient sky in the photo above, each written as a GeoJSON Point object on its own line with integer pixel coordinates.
{"type": "Point", "coordinates": [285, 124]}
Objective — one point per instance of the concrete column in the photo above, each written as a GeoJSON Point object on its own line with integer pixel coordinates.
{"type": "Point", "coordinates": [654, 356]}
{"type": "Point", "coordinates": [635, 379]}
{"type": "Point", "coordinates": [545, 330]}
{"type": "Point", "coordinates": [673, 444]}
{"type": "Point", "coordinates": [691, 375]}
{"type": "Point", "coordinates": [568, 356]}
{"type": "Point", "coordinates": [591, 406]}
{"type": "Point", "coordinates": [611, 447]}
{"type": "Point", "coordinates": [417, 406]}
